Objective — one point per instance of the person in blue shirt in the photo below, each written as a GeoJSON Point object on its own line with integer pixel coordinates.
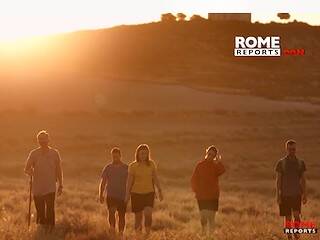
{"type": "Point", "coordinates": [112, 188]}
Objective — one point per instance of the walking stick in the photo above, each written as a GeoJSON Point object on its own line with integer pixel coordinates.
{"type": "Point", "coordinates": [30, 199]}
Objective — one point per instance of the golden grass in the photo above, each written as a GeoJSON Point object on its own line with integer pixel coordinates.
{"type": "Point", "coordinates": [250, 145]}
{"type": "Point", "coordinates": [242, 215]}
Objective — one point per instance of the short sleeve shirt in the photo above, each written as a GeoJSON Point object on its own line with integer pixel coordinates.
{"type": "Point", "coordinates": [44, 164]}
{"type": "Point", "coordinates": [116, 177]}
{"type": "Point", "coordinates": [291, 171]}
{"type": "Point", "coordinates": [143, 176]}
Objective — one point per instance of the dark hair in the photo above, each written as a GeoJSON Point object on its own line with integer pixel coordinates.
{"type": "Point", "coordinates": [290, 142]}
{"type": "Point", "coordinates": [115, 150]}
{"type": "Point", "coordinates": [142, 147]}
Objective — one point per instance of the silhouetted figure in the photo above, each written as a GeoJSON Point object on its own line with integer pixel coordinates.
{"type": "Point", "coordinates": [113, 188]}
{"type": "Point", "coordinates": [142, 180]}
{"type": "Point", "coordinates": [44, 164]}
{"type": "Point", "coordinates": [291, 185]}
{"type": "Point", "coordinates": [205, 184]}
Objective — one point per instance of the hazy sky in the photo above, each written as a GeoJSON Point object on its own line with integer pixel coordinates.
{"type": "Point", "coordinates": [20, 18]}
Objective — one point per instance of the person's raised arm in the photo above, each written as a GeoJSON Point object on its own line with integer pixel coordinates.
{"type": "Point", "coordinates": [303, 181]}
{"type": "Point", "coordinates": [219, 167]}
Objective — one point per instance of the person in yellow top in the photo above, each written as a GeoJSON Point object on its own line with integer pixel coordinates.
{"type": "Point", "coordinates": [142, 180]}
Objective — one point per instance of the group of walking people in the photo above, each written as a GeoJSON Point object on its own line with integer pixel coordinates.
{"type": "Point", "coordinates": [139, 183]}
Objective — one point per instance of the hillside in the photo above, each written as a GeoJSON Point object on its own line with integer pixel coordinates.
{"type": "Point", "coordinates": [196, 54]}
{"type": "Point", "coordinates": [178, 88]}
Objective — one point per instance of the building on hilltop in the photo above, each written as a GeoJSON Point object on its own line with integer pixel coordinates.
{"type": "Point", "coordinates": [245, 17]}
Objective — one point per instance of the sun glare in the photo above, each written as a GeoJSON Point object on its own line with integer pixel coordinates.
{"type": "Point", "coordinates": [23, 19]}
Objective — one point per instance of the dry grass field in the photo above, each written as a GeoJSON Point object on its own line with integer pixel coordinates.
{"type": "Point", "coordinates": [249, 132]}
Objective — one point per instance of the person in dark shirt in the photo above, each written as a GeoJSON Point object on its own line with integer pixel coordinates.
{"type": "Point", "coordinates": [113, 183]}
{"type": "Point", "coordinates": [205, 185]}
{"type": "Point", "coordinates": [291, 185]}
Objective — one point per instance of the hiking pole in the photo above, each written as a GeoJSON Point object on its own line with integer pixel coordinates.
{"type": "Point", "coordinates": [30, 199]}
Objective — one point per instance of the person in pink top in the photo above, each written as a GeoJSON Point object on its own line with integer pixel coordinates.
{"type": "Point", "coordinates": [44, 164]}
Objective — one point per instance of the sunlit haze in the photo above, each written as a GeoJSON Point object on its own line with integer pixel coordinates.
{"type": "Point", "coordinates": [20, 19]}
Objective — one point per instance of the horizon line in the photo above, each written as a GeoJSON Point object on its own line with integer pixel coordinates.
{"type": "Point", "coordinates": [78, 30]}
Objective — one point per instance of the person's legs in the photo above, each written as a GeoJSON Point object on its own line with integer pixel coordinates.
{"type": "Point", "coordinates": [147, 219]}
{"type": "Point", "coordinates": [122, 221]}
{"type": "Point", "coordinates": [213, 207]}
{"type": "Point", "coordinates": [202, 204]}
{"type": "Point", "coordinates": [148, 203]}
{"type": "Point", "coordinates": [288, 218]}
{"type": "Point", "coordinates": [138, 221]}
{"type": "Point", "coordinates": [285, 208]}
{"type": "Point", "coordinates": [296, 210]}
{"type": "Point", "coordinates": [40, 208]}
{"type": "Point", "coordinates": [211, 220]}
{"type": "Point", "coordinates": [204, 220]}
{"type": "Point", "coordinates": [112, 219]}
{"type": "Point", "coordinates": [121, 208]}
{"type": "Point", "coordinates": [112, 208]}
{"type": "Point", "coordinates": [50, 210]}
{"type": "Point", "coordinates": [296, 215]}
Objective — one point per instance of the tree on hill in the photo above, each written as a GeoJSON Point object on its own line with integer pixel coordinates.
{"type": "Point", "coordinates": [181, 17]}
{"type": "Point", "coordinates": [196, 17]}
{"type": "Point", "coordinates": [168, 17]}
{"type": "Point", "coordinates": [283, 16]}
